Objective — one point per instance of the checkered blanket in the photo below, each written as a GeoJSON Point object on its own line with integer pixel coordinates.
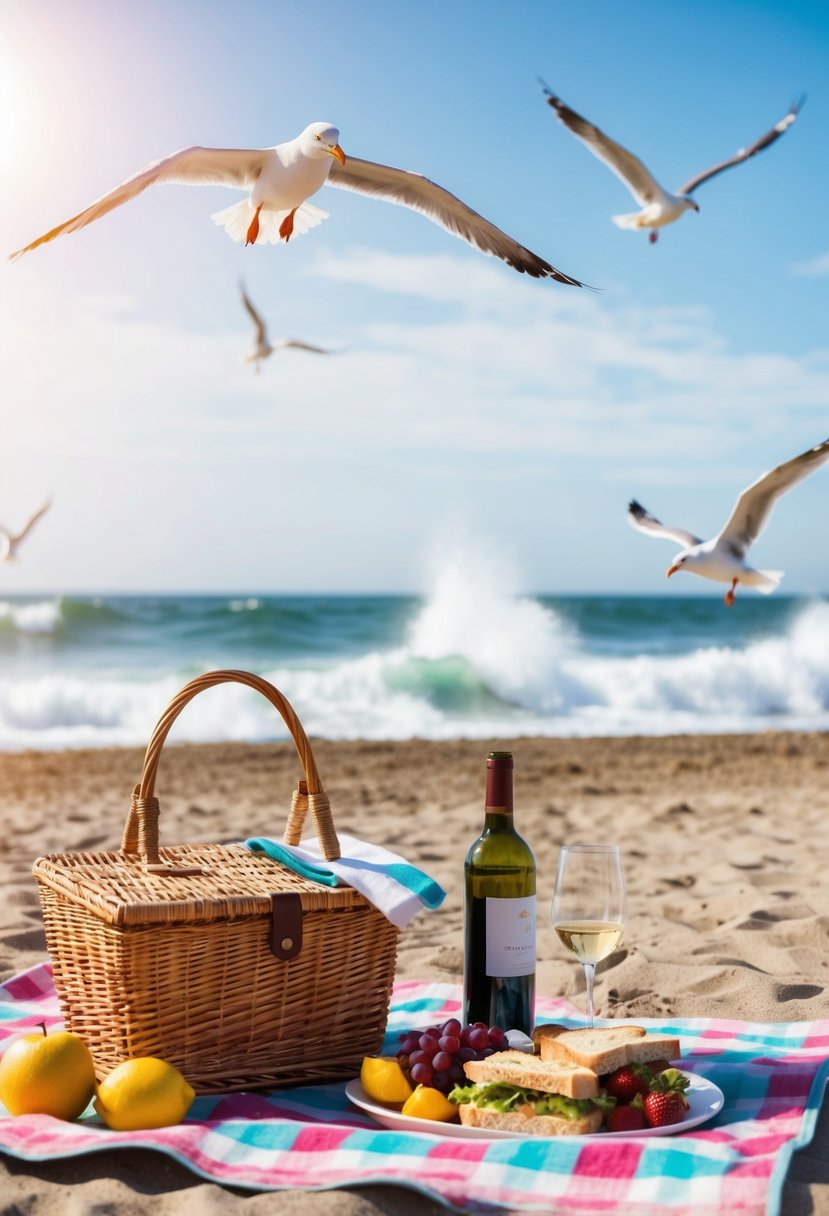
{"type": "Point", "coordinates": [772, 1074]}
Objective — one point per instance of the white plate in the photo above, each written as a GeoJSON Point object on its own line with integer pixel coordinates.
{"type": "Point", "coordinates": [704, 1097]}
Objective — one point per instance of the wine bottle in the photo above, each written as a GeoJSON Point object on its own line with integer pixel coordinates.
{"type": "Point", "coordinates": [499, 913]}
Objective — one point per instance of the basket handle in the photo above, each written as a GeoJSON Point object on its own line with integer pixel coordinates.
{"type": "Point", "coordinates": [141, 829]}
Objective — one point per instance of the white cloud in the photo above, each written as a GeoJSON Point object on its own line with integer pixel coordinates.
{"type": "Point", "coordinates": [546, 367]}
{"type": "Point", "coordinates": [815, 268]}
{"type": "Point", "coordinates": [572, 397]}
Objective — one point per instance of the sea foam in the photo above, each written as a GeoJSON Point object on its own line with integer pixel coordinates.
{"type": "Point", "coordinates": [42, 616]}
{"type": "Point", "coordinates": [475, 659]}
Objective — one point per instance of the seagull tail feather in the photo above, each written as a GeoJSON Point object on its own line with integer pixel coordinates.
{"type": "Point", "coordinates": [633, 219]}
{"type": "Point", "coordinates": [768, 581]}
{"type": "Point", "coordinates": [236, 220]}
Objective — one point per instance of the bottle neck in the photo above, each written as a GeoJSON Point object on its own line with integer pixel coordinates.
{"type": "Point", "coordinates": [498, 800]}
{"type": "Point", "coordinates": [498, 821]}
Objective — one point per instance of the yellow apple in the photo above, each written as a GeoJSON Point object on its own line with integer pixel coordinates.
{"type": "Point", "coordinates": [47, 1074]}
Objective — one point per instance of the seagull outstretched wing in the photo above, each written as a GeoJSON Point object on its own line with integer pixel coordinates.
{"type": "Point", "coordinates": [291, 344]}
{"type": "Point", "coordinates": [643, 521]}
{"type": "Point", "coordinates": [237, 167]}
{"type": "Point", "coordinates": [256, 317]}
{"type": "Point", "coordinates": [764, 141]}
{"type": "Point", "coordinates": [420, 194]}
{"type": "Point", "coordinates": [753, 508]}
{"type": "Point", "coordinates": [628, 168]}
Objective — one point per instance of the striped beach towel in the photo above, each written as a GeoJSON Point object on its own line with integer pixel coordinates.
{"type": "Point", "coordinates": [397, 888]}
{"type": "Point", "coordinates": [772, 1074]}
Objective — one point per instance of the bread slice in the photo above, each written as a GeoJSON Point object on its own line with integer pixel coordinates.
{"type": "Point", "coordinates": [530, 1125]}
{"type": "Point", "coordinates": [652, 1048]}
{"type": "Point", "coordinates": [603, 1049]}
{"type": "Point", "coordinates": [550, 1030]}
{"type": "Point", "coordinates": [559, 1076]}
{"type": "Point", "coordinates": [600, 1048]}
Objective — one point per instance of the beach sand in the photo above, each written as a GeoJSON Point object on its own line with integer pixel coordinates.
{"type": "Point", "coordinates": [725, 840]}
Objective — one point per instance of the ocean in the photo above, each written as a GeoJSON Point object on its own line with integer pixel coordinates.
{"type": "Point", "coordinates": [80, 671]}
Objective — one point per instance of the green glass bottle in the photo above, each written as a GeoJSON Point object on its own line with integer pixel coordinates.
{"type": "Point", "coordinates": [499, 913]}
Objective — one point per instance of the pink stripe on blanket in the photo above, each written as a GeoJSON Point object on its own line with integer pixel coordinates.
{"type": "Point", "coordinates": [460, 1150]}
{"type": "Point", "coordinates": [320, 1139]}
{"type": "Point", "coordinates": [617, 1160]}
{"type": "Point", "coordinates": [746, 1187]}
{"type": "Point", "coordinates": [34, 985]}
{"type": "Point", "coordinates": [816, 1040]}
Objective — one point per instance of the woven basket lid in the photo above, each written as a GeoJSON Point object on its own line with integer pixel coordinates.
{"type": "Point", "coordinates": [233, 881]}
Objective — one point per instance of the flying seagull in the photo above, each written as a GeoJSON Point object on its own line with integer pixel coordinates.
{"type": "Point", "coordinates": [9, 541]}
{"type": "Point", "coordinates": [281, 179]}
{"type": "Point", "coordinates": [659, 206]}
{"type": "Point", "coordinates": [723, 557]}
{"type": "Point", "coordinates": [262, 348]}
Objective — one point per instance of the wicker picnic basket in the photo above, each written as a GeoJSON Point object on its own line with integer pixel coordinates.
{"type": "Point", "coordinates": [215, 958]}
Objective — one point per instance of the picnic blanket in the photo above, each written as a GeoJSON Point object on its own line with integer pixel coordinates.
{"type": "Point", "coordinates": [311, 1138]}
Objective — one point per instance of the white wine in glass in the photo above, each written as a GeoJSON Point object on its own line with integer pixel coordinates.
{"type": "Point", "coordinates": [589, 907]}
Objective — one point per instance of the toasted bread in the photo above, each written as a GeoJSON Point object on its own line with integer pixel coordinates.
{"type": "Point", "coordinates": [530, 1125]}
{"type": "Point", "coordinates": [603, 1049]}
{"type": "Point", "coordinates": [558, 1076]}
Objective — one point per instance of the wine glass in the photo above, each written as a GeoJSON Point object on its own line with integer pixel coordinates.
{"type": "Point", "coordinates": [589, 906]}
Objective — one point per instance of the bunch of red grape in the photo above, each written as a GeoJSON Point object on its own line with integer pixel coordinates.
{"type": "Point", "coordinates": [436, 1056]}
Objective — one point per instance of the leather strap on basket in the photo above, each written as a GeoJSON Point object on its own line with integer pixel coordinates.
{"type": "Point", "coordinates": [141, 828]}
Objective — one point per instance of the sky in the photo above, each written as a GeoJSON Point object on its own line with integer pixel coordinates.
{"type": "Point", "coordinates": [465, 401]}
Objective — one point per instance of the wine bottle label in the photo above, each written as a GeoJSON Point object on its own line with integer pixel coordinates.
{"type": "Point", "coordinates": [510, 936]}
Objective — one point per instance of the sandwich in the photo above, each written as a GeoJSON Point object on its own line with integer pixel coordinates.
{"type": "Point", "coordinates": [514, 1091]}
{"type": "Point", "coordinates": [572, 1083]}
{"type": "Point", "coordinates": [634, 1069]}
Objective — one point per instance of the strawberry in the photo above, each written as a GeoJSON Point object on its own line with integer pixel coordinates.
{"type": "Point", "coordinates": [663, 1108]}
{"type": "Point", "coordinates": [628, 1081]}
{"type": "Point", "coordinates": [666, 1103]}
{"type": "Point", "coordinates": [624, 1119]}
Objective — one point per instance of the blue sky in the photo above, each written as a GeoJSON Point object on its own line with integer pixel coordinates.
{"type": "Point", "coordinates": [468, 401]}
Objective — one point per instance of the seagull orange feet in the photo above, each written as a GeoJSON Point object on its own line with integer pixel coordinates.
{"type": "Point", "coordinates": [286, 228]}
{"type": "Point", "coordinates": [653, 237]}
{"type": "Point", "coordinates": [729, 595]}
{"type": "Point", "coordinates": [253, 229]}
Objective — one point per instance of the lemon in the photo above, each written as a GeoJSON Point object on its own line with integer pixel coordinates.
{"type": "Point", "coordinates": [384, 1080]}
{"type": "Point", "coordinates": [47, 1074]}
{"type": "Point", "coordinates": [428, 1103]}
{"type": "Point", "coordinates": [143, 1093]}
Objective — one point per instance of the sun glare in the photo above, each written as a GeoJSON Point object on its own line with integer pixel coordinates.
{"type": "Point", "coordinates": [15, 109]}
{"type": "Point", "coordinates": [20, 107]}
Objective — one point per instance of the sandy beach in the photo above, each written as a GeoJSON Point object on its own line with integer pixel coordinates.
{"type": "Point", "coordinates": [725, 841]}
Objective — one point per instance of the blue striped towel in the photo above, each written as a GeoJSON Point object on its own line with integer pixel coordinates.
{"type": "Point", "coordinates": [387, 880]}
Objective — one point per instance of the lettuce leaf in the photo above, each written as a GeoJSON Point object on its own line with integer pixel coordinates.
{"type": "Point", "coordinates": [495, 1095]}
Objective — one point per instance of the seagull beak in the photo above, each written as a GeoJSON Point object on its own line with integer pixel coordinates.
{"type": "Point", "coordinates": [671, 571]}
{"type": "Point", "coordinates": [337, 153]}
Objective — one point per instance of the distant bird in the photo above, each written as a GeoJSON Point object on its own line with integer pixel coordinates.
{"type": "Point", "coordinates": [9, 541]}
{"type": "Point", "coordinates": [659, 206]}
{"type": "Point", "coordinates": [723, 558]}
{"type": "Point", "coordinates": [282, 178]}
{"type": "Point", "coordinates": [262, 348]}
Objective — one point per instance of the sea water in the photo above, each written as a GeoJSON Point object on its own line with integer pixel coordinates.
{"type": "Point", "coordinates": [462, 661]}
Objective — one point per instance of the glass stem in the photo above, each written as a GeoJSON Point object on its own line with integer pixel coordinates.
{"type": "Point", "coordinates": [589, 972]}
